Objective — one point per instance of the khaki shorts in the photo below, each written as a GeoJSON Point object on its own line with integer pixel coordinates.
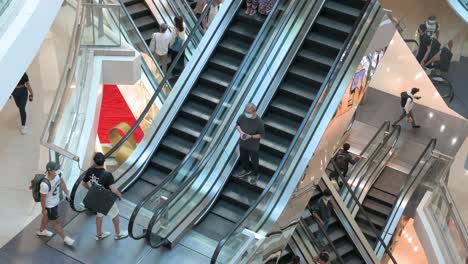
{"type": "Point", "coordinates": [113, 212]}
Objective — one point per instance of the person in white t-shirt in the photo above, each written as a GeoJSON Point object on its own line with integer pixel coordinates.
{"type": "Point", "coordinates": [50, 189]}
{"type": "Point", "coordinates": [160, 43]}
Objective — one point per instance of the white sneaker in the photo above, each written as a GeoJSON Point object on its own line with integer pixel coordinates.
{"type": "Point", "coordinates": [24, 130]}
{"type": "Point", "coordinates": [45, 233]}
{"type": "Point", "coordinates": [103, 235]}
{"type": "Point", "coordinates": [68, 241]}
{"type": "Point", "coordinates": [122, 235]}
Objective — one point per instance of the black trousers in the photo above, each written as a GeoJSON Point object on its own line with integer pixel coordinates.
{"type": "Point", "coordinates": [20, 95]}
{"type": "Point", "coordinates": [249, 157]}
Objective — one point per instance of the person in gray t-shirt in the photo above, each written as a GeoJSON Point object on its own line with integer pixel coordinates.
{"type": "Point", "coordinates": [251, 130]}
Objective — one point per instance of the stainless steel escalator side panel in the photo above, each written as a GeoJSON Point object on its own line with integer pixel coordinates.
{"type": "Point", "coordinates": [180, 91]}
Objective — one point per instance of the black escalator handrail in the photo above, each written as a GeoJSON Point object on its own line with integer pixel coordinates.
{"type": "Point", "coordinates": [293, 223]}
{"type": "Point", "coordinates": [364, 212]}
{"type": "Point", "coordinates": [147, 107]}
{"type": "Point", "coordinates": [450, 94]}
{"type": "Point", "coordinates": [334, 70]}
{"type": "Point", "coordinates": [201, 138]}
{"type": "Point", "coordinates": [412, 179]}
{"type": "Point", "coordinates": [324, 233]}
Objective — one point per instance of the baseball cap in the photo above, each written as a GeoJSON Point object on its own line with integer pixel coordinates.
{"type": "Point", "coordinates": [52, 166]}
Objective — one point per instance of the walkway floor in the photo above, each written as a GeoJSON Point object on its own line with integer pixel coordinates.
{"type": "Point", "coordinates": [22, 156]}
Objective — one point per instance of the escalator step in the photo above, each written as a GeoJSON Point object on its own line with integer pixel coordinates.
{"type": "Point", "coordinates": [290, 107]}
{"type": "Point", "coordinates": [256, 19]}
{"type": "Point", "coordinates": [378, 221]}
{"type": "Point", "coordinates": [234, 46]}
{"type": "Point", "coordinates": [352, 258]}
{"type": "Point", "coordinates": [130, 2]}
{"type": "Point", "coordinates": [274, 143]}
{"type": "Point", "coordinates": [281, 124]}
{"type": "Point", "coordinates": [214, 227]}
{"type": "Point", "coordinates": [367, 231]}
{"type": "Point", "coordinates": [296, 88]}
{"type": "Point", "coordinates": [205, 94]}
{"type": "Point", "coordinates": [187, 127]}
{"type": "Point", "coordinates": [336, 233]}
{"type": "Point", "coordinates": [138, 191]}
{"type": "Point", "coordinates": [165, 161]}
{"type": "Point", "coordinates": [341, 8]}
{"type": "Point", "coordinates": [236, 193]}
{"type": "Point", "coordinates": [344, 247]}
{"type": "Point", "coordinates": [379, 195]}
{"type": "Point", "coordinates": [228, 211]}
{"type": "Point", "coordinates": [377, 207]}
{"type": "Point", "coordinates": [222, 60]}
{"type": "Point", "coordinates": [147, 35]}
{"type": "Point", "coordinates": [153, 175]}
{"type": "Point", "coordinates": [138, 10]}
{"type": "Point", "coordinates": [196, 111]}
{"type": "Point", "coordinates": [146, 23]}
{"type": "Point", "coordinates": [257, 187]}
{"type": "Point", "coordinates": [316, 57]}
{"type": "Point", "coordinates": [269, 163]}
{"type": "Point", "coordinates": [242, 30]}
{"type": "Point", "coordinates": [177, 145]}
{"type": "Point", "coordinates": [306, 73]}
{"type": "Point", "coordinates": [325, 41]}
{"type": "Point", "coordinates": [334, 25]}
{"type": "Point", "coordinates": [216, 78]}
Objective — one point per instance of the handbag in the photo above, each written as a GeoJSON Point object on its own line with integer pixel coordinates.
{"type": "Point", "coordinates": [99, 199]}
{"type": "Point", "coordinates": [177, 44]}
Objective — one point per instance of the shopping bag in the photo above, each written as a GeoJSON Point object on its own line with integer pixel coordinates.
{"type": "Point", "coordinates": [99, 199]}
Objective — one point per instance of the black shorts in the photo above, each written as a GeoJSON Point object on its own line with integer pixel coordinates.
{"type": "Point", "coordinates": [52, 213]}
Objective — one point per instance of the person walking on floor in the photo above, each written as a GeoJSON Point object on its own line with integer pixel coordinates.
{"type": "Point", "coordinates": [407, 104]}
{"type": "Point", "coordinates": [99, 175]}
{"type": "Point", "coordinates": [50, 189]}
{"type": "Point", "coordinates": [251, 130]}
{"type": "Point", "coordinates": [159, 45]}
{"type": "Point", "coordinates": [21, 97]}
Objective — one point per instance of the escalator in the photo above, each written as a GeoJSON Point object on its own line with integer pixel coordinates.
{"type": "Point", "coordinates": [285, 112]}
{"type": "Point", "coordinates": [197, 109]}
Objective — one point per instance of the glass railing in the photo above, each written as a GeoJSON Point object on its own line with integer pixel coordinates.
{"type": "Point", "coordinates": [261, 211]}
{"type": "Point", "coordinates": [416, 175]}
{"type": "Point", "coordinates": [448, 223]}
{"type": "Point", "coordinates": [364, 174]}
{"type": "Point", "coordinates": [443, 86]}
{"type": "Point", "coordinates": [189, 175]}
{"type": "Point", "coordinates": [122, 146]}
{"type": "Point", "coordinates": [4, 4]}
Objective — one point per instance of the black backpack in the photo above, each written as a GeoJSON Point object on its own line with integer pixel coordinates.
{"type": "Point", "coordinates": [36, 186]}
{"type": "Point", "coordinates": [404, 97]}
{"type": "Point", "coordinates": [341, 160]}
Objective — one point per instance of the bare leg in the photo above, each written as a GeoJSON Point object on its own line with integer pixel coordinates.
{"type": "Point", "coordinates": [116, 223]}
{"type": "Point", "coordinates": [58, 228]}
{"type": "Point", "coordinates": [98, 226]}
{"type": "Point", "coordinates": [44, 221]}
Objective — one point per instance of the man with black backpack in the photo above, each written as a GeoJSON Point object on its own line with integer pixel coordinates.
{"type": "Point", "coordinates": [99, 175]}
{"type": "Point", "coordinates": [50, 187]}
{"type": "Point", "coordinates": [407, 104]}
{"type": "Point", "coordinates": [342, 160]}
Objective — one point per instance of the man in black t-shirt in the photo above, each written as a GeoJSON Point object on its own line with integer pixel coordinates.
{"type": "Point", "coordinates": [441, 61]}
{"type": "Point", "coordinates": [251, 130]}
{"type": "Point", "coordinates": [99, 175]}
{"type": "Point", "coordinates": [424, 42]}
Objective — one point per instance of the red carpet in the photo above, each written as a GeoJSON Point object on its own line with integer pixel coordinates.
{"type": "Point", "coordinates": [114, 110]}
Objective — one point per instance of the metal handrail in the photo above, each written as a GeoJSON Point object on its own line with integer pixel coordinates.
{"type": "Point", "coordinates": [330, 76]}
{"type": "Point", "coordinates": [208, 157]}
{"type": "Point", "coordinates": [293, 223]}
{"type": "Point", "coordinates": [364, 212]}
{"type": "Point", "coordinates": [145, 110]}
{"type": "Point", "coordinates": [200, 139]}
{"type": "Point", "coordinates": [412, 41]}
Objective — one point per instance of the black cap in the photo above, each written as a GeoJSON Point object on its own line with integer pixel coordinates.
{"type": "Point", "coordinates": [52, 166]}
